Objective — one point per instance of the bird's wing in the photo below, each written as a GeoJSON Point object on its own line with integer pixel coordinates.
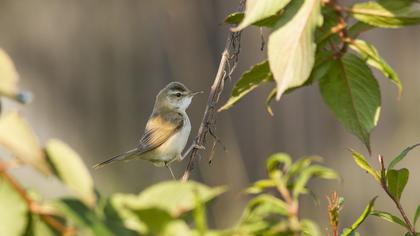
{"type": "Point", "coordinates": [159, 129]}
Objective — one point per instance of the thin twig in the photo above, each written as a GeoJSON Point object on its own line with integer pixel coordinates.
{"type": "Point", "coordinates": [33, 206]}
{"type": "Point", "coordinates": [229, 56]}
{"type": "Point", "coordinates": [410, 226]}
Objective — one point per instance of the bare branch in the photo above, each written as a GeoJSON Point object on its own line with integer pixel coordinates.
{"type": "Point", "coordinates": [227, 65]}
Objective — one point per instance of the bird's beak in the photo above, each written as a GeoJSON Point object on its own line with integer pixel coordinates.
{"type": "Point", "coordinates": [192, 94]}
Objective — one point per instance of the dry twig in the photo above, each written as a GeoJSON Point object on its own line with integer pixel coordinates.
{"type": "Point", "coordinates": [227, 65]}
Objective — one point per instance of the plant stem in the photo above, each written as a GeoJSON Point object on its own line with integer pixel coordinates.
{"type": "Point", "coordinates": [33, 206]}
{"type": "Point", "coordinates": [410, 226]}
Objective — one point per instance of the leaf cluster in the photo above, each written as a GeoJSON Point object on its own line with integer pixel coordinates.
{"type": "Point", "coordinates": [308, 43]}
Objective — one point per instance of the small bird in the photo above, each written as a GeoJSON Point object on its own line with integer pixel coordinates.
{"type": "Point", "coordinates": [167, 129]}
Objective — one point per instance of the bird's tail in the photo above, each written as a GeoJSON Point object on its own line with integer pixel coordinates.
{"type": "Point", "coordinates": [120, 157]}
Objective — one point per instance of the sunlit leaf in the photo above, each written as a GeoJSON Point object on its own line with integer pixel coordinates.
{"type": "Point", "coordinates": [274, 163]}
{"type": "Point", "coordinates": [257, 10]}
{"type": "Point", "coordinates": [369, 53]}
{"type": "Point", "coordinates": [17, 136]}
{"type": "Point", "coordinates": [401, 156]}
{"type": "Point", "coordinates": [177, 228]}
{"type": "Point", "coordinates": [362, 163]}
{"type": "Point", "coordinates": [387, 13]}
{"type": "Point", "coordinates": [172, 196]}
{"type": "Point", "coordinates": [368, 210]}
{"type": "Point", "coordinates": [14, 210]}
{"type": "Point", "coordinates": [70, 168]}
{"type": "Point", "coordinates": [352, 93]}
{"type": "Point", "coordinates": [249, 81]}
{"type": "Point", "coordinates": [263, 206]}
{"type": "Point", "coordinates": [9, 80]}
{"type": "Point", "coordinates": [310, 172]}
{"type": "Point", "coordinates": [260, 186]}
{"type": "Point", "coordinates": [396, 180]}
{"type": "Point", "coordinates": [291, 47]}
{"type": "Point", "coordinates": [389, 217]}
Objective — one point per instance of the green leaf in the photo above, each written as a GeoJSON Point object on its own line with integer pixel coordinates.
{"type": "Point", "coordinates": [362, 217]}
{"type": "Point", "coordinates": [260, 186]}
{"type": "Point", "coordinates": [155, 219]}
{"type": "Point", "coordinates": [291, 47]}
{"type": "Point", "coordinates": [177, 228]}
{"type": "Point", "coordinates": [389, 217]}
{"type": "Point", "coordinates": [274, 162]}
{"type": "Point", "coordinates": [369, 53]}
{"type": "Point", "coordinates": [9, 80]}
{"type": "Point", "coordinates": [362, 163]}
{"type": "Point", "coordinates": [309, 228]}
{"type": "Point", "coordinates": [200, 218]}
{"type": "Point", "coordinates": [401, 156]}
{"type": "Point", "coordinates": [117, 209]}
{"type": "Point", "coordinates": [70, 169]}
{"type": "Point", "coordinates": [173, 196]}
{"type": "Point", "coordinates": [387, 13]}
{"type": "Point", "coordinates": [397, 179]}
{"type": "Point", "coordinates": [257, 10]}
{"type": "Point", "coordinates": [37, 227]}
{"type": "Point", "coordinates": [263, 206]}
{"type": "Point", "coordinates": [416, 215]}
{"type": "Point", "coordinates": [357, 28]}
{"type": "Point", "coordinates": [17, 136]}
{"type": "Point", "coordinates": [236, 18]}
{"type": "Point", "coordinates": [14, 211]}
{"type": "Point", "coordinates": [352, 93]}
{"type": "Point", "coordinates": [308, 173]}
{"type": "Point", "coordinates": [249, 81]}
{"type": "Point", "coordinates": [84, 218]}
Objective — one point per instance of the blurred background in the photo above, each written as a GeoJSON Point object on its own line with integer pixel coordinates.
{"type": "Point", "coordinates": [95, 67]}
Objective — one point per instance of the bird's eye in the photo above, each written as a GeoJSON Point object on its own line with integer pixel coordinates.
{"type": "Point", "coordinates": [178, 94]}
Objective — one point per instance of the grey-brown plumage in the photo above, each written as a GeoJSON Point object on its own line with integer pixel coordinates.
{"type": "Point", "coordinates": [167, 129]}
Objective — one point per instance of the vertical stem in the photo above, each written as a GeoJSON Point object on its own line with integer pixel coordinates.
{"type": "Point", "coordinates": [410, 226]}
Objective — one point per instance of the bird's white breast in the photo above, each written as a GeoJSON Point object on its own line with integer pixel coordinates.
{"type": "Point", "coordinates": [174, 146]}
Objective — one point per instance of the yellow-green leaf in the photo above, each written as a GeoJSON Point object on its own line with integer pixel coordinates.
{"type": "Point", "coordinates": [14, 211]}
{"type": "Point", "coordinates": [369, 53]}
{"type": "Point", "coordinates": [8, 75]}
{"type": "Point", "coordinates": [17, 136]}
{"type": "Point", "coordinates": [257, 10]}
{"type": "Point", "coordinates": [362, 217]}
{"type": "Point", "coordinates": [388, 13]}
{"type": "Point", "coordinates": [174, 197]}
{"type": "Point", "coordinates": [70, 168]}
{"type": "Point", "coordinates": [9, 80]}
{"type": "Point", "coordinates": [291, 47]}
{"type": "Point", "coordinates": [361, 161]}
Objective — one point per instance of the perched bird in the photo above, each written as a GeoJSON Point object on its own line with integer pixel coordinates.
{"type": "Point", "coordinates": [167, 129]}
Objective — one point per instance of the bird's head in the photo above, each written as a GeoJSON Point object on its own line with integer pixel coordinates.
{"type": "Point", "coordinates": [175, 96]}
